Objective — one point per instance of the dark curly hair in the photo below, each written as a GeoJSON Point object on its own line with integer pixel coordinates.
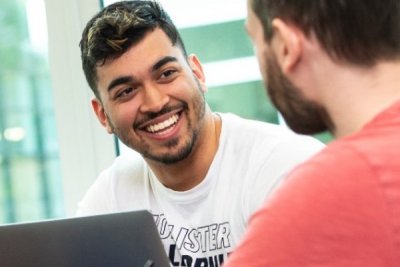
{"type": "Point", "coordinates": [112, 31]}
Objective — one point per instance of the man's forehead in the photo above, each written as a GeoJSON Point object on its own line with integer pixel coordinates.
{"type": "Point", "coordinates": [138, 61]}
{"type": "Point", "coordinates": [154, 45]}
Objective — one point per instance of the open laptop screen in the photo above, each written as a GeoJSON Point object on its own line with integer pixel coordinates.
{"type": "Point", "coordinates": [128, 239]}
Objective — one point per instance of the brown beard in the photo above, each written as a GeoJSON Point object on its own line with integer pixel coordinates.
{"type": "Point", "coordinates": [301, 115]}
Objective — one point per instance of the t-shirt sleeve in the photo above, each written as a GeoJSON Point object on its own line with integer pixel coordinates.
{"type": "Point", "coordinates": [97, 198]}
{"type": "Point", "coordinates": [318, 217]}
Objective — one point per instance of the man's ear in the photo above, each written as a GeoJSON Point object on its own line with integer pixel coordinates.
{"type": "Point", "coordinates": [101, 114]}
{"type": "Point", "coordinates": [287, 44]}
{"type": "Point", "coordinates": [197, 70]}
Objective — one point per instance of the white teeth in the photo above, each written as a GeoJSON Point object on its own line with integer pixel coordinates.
{"type": "Point", "coordinates": [163, 125]}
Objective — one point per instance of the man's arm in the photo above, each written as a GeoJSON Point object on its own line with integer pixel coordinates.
{"type": "Point", "coordinates": [97, 198]}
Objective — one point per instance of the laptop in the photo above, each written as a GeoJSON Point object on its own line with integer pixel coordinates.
{"type": "Point", "coordinates": [127, 239]}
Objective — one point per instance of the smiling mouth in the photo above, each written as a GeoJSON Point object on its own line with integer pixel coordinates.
{"type": "Point", "coordinates": [164, 126]}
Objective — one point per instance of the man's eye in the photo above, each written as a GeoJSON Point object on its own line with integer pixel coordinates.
{"type": "Point", "coordinates": [124, 92]}
{"type": "Point", "coordinates": [168, 73]}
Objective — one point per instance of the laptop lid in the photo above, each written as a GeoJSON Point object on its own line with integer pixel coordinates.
{"type": "Point", "coordinates": [128, 239]}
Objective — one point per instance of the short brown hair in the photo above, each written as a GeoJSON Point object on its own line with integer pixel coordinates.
{"type": "Point", "coordinates": [360, 32]}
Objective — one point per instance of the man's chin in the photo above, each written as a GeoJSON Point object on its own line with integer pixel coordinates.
{"type": "Point", "coordinates": [172, 157]}
{"type": "Point", "coordinates": [167, 160]}
{"type": "Point", "coordinates": [306, 127]}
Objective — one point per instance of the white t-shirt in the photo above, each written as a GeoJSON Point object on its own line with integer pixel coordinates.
{"type": "Point", "coordinates": [201, 226]}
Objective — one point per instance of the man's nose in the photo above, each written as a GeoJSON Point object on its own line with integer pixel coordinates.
{"type": "Point", "coordinates": [154, 99]}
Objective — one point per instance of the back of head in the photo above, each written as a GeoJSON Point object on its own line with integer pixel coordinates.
{"type": "Point", "coordinates": [358, 32]}
{"type": "Point", "coordinates": [112, 31]}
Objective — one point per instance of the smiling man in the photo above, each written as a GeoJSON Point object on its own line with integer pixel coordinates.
{"type": "Point", "coordinates": [200, 173]}
{"type": "Point", "coordinates": [157, 107]}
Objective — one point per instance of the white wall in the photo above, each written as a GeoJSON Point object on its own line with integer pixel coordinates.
{"type": "Point", "coordinates": [85, 147]}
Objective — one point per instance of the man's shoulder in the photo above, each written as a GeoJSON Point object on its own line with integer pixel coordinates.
{"type": "Point", "coordinates": [239, 124]}
{"type": "Point", "coordinates": [268, 134]}
{"type": "Point", "coordinates": [339, 159]}
{"type": "Point", "coordinates": [232, 118]}
{"type": "Point", "coordinates": [128, 164]}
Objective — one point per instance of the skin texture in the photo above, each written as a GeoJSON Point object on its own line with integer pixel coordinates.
{"type": "Point", "coordinates": [152, 98]}
{"type": "Point", "coordinates": [301, 115]}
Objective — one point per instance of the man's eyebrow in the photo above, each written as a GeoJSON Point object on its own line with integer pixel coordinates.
{"type": "Point", "coordinates": [118, 81]}
{"type": "Point", "coordinates": [129, 79]}
{"type": "Point", "coordinates": [162, 62]}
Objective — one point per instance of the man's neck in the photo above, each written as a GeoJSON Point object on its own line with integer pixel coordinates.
{"type": "Point", "coordinates": [358, 95]}
{"type": "Point", "coordinates": [189, 172]}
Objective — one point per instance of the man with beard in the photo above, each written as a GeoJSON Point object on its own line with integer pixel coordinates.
{"type": "Point", "coordinates": [201, 174]}
{"type": "Point", "coordinates": [331, 64]}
